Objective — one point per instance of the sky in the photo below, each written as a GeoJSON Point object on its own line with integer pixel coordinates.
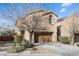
{"type": "Point", "coordinates": [61, 9]}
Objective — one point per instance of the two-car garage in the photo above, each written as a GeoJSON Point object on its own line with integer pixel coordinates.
{"type": "Point", "coordinates": [42, 37]}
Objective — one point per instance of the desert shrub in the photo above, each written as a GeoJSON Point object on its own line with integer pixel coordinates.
{"type": "Point", "coordinates": [20, 48]}
{"type": "Point", "coordinates": [5, 33]}
{"type": "Point", "coordinates": [18, 39]}
{"type": "Point", "coordinates": [64, 40]}
{"type": "Point", "coordinates": [21, 44]}
{"type": "Point", "coordinates": [16, 49]}
{"type": "Point", "coordinates": [28, 45]}
{"type": "Point", "coordinates": [17, 43]}
{"type": "Point", "coordinates": [76, 44]}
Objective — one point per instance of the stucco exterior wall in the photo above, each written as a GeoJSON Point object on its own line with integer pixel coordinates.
{"type": "Point", "coordinates": [49, 27]}
{"type": "Point", "coordinates": [27, 35]}
{"type": "Point", "coordinates": [52, 27]}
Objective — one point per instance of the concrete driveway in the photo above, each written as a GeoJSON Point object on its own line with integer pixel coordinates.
{"type": "Point", "coordinates": [52, 49]}
{"type": "Point", "coordinates": [62, 49]}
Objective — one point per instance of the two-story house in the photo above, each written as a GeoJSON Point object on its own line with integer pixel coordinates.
{"type": "Point", "coordinates": [49, 34]}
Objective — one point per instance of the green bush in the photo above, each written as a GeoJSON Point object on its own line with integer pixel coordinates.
{"type": "Point", "coordinates": [21, 44]}
{"type": "Point", "coordinates": [76, 44]}
{"type": "Point", "coordinates": [17, 43]}
{"type": "Point", "coordinates": [28, 45]}
{"type": "Point", "coordinates": [20, 48]}
{"type": "Point", "coordinates": [18, 39]}
{"type": "Point", "coordinates": [4, 33]}
{"type": "Point", "coordinates": [64, 40]}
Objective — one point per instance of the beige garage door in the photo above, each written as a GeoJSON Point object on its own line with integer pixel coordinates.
{"type": "Point", "coordinates": [43, 37]}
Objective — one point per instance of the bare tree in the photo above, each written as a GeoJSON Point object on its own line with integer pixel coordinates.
{"type": "Point", "coordinates": [32, 25]}
{"type": "Point", "coordinates": [14, 11]}
{"type": "Point", "coordinates": [74, 26]}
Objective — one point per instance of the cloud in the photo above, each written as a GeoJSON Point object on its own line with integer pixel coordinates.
{"type": "Point", "coordinates": [62, 10]}
{"type": "Point", "coordinates": [66, 4]}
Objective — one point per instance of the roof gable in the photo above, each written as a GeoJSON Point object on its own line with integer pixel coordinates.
{"type": "Point", "coordinates": [49, 12]}
{"type": "Point", "coordinates": [35, 11]}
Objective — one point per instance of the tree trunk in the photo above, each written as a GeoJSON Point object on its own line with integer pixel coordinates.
{"type": "Point", "coordinates": [31, 33]}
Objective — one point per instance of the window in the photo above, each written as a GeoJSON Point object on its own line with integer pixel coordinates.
{"type": "Point", "coordinates": [50, 19]}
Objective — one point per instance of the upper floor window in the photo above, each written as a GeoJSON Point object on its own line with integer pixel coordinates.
{"type": "Point", "coordinates": [50, 19]}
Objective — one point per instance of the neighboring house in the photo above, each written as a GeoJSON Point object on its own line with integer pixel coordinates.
{"type": "Point", "coordinates": [49, 34]}
{"type": "Point", "coordinates": [70, 27]}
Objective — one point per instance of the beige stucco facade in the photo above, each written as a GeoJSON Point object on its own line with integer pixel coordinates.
{"type": "Point", "coordinates": [50, 27]}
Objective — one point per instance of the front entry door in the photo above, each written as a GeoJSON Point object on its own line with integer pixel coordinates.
{"type": "Point", "coordinates": [76, 37]}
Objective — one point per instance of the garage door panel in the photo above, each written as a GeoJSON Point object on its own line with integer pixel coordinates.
{"type": "Point", "coordinates": [43, 37]}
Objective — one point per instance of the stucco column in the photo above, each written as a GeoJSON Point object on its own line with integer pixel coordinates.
{"type": "Point", "coordinates": [54, 35]}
